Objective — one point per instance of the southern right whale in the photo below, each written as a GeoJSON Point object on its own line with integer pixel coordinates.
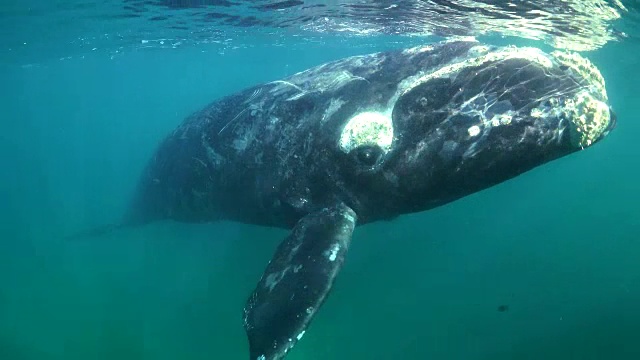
{"type": "Point", "coordinates": [363, 139]}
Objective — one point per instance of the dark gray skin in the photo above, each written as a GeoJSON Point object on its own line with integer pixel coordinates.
{"type": "Point", "coordinates": [275, 155]}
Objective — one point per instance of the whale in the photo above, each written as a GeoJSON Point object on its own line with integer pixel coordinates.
{"type": "Point", "coordinates": [363, 139]}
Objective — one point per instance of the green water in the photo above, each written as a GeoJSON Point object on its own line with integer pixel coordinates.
{"type": "Point", "coordinates": [560, 245]}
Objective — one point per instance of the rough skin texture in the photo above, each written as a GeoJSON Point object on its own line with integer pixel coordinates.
{"type": "Point", "coordinates": [271, 154]}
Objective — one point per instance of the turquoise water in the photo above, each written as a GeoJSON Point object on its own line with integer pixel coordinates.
{"type": "Point", "coordinates": [558, 245]}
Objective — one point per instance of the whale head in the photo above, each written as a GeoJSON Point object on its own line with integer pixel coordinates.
{"type": "Point", "coordinates": [471, 123]}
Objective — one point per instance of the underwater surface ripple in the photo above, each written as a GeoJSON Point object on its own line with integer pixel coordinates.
{"type": "Point", "coordinates": [542, 266]}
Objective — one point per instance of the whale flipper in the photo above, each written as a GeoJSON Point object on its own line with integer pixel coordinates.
{"type": "Point", "coordinates": [297, 281]}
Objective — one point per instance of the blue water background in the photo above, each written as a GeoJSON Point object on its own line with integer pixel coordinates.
{"type": "Point", "coordinates": [559, 245]}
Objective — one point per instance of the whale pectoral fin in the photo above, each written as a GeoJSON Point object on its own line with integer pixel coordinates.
{"type": "Point", "coordinates": [297, 281]}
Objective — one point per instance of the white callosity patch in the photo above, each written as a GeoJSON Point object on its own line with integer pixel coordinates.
{"type": "Point", "coordinates": [350, 218]}
{"type": "Point", "coordinates": [474, 130]}
{"type": "Point", "coordinates": [502, 119]}
{"type": "Point", "coordinates": [591, 120]}
{"type": "Point", "coordinates": [368, 128]}
{"type": "Point", "coordinates": [300, 335]}
{"type": "Point", "coordinates": [332, 253]}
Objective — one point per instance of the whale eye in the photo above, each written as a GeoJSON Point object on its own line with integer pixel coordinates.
{"type": "Point", "coordinates": [368, 155]}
